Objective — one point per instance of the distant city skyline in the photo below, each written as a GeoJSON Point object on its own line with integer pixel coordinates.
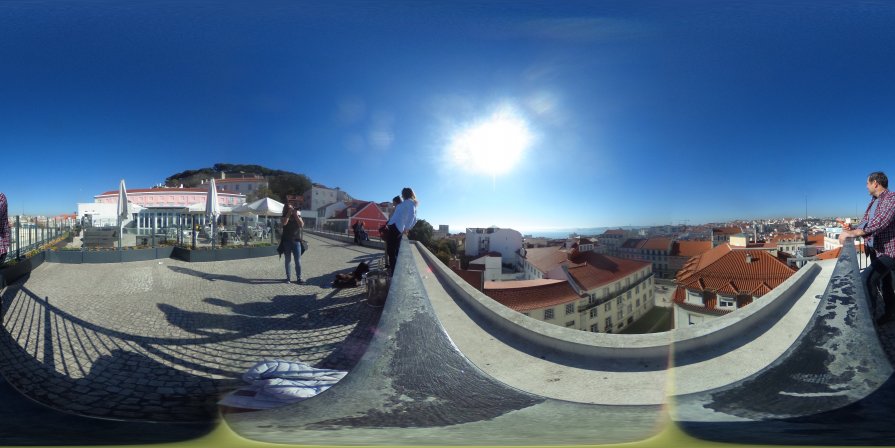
{"type": "Point", "coordinates": [523, 114]}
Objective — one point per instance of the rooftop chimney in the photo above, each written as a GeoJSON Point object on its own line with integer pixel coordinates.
{"type": "Point", "coordinates": [748, 258]}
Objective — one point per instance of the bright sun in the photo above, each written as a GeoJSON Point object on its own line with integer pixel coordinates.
{"type": "Point", "coordinates": [492, 146]}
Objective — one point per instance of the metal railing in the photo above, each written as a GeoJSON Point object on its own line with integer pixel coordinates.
{"type": "Point", "coordinates": [28, 234]}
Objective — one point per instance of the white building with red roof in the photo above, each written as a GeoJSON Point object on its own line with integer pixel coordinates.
{"type": "Point", "coordinates": [612, 293]}
{"type": "Point", "coordinates": [159, 208]}
{"type": "Point", "coordinates": [723, 280]}
{"type": "Point", "coordinates": [241, 185]}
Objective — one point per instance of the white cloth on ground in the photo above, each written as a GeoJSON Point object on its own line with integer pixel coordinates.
{"type": "Point", "coordinates": [278, 382]}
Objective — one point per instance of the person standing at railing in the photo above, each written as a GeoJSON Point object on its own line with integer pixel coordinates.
{"type": "Point", "coordinates": [356, 229]}
{"type": "Point", "coordinates": [4, 227]}
{"type": "Point", "coordinates": [400, 224]}
{"type": "Point", "coordinates": [878, 228]}
{"type": "Point", "coordinates": [383, 231]}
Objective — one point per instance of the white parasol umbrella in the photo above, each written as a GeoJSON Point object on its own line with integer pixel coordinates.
{"type": "Point", "coordinates": [198, 208]}
{"type": "Point", "coordinates": [243, 209]}
{"type": "Point", "coordinates": [267, 207]}
{"type": "Point", "coordinates": [122, 209]}
{"type": "Point", "coordinates": [212, 210]}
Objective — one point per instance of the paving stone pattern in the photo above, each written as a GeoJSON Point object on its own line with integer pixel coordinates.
{"type": "Point", "coordinates": [161, 340]}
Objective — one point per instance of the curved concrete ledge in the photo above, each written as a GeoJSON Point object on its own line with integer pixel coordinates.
{"type": "Point", "coordinates": [412, 386]}
{"type": "Point", "coordinates": [630, 381]}
{"type": "Point", "coordinates": [689, 344]}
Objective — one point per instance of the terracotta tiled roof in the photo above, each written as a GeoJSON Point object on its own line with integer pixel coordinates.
{"type": "Point", "coordinates": [592, 270]}
{"type": "Point", "coordinates": [726, 230]}
{"type": "Point", "coordinates": [588, 269]}
{"type": "Point", "coordinates": [657, 244]}
{"type": "Point", "coordinates": [786, 237]}
{"type": "Point", "coordinates": [691, 248]}
{"type": "Point", "coordinates": [633, 243]}
{"type": "Point", "coordinates": [816, 239]}
{"type": "Point", "coordinates": [545, 259]}
{"type": "Point", "coordinates": [726, 270]}
{"type": "Point", "coordinates": [830, 254]}
{"type": "Point", "coordinates": [527, 295]}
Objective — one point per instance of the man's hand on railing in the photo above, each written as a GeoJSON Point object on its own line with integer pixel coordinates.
{"type": "Point", "coordinates": [846, 234]}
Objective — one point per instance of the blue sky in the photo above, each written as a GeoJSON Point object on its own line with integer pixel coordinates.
{"type": "Point", "coordinates": [608, 113]}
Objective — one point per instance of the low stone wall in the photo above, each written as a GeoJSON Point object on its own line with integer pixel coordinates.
{"type": "Point", "coordinates": [377, 243]}
{"type": "Point", "coordinates": [108, 256]}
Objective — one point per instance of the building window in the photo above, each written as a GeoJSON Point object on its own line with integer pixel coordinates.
{"type": "Point", "coordinates": [608, 325]}
{"type": "Point", "coordinates": [630, 309]}
{"type": "Point", "coordinates": [592, 299]}
{"type": "Point", "coordinates": [570, 308]}
{"type": "Point", "coordinates": [637, 302]}
{"type": "Point", "coordinates": [570, 323]}
{"type": "Point", "coordinates": [726, 302]}
{"type": "Point", "coordinates": [628, 296]}
{"type": "Point", "coordinates": [594, 328]}
{"type": "Point", "coordinates": [607, 306]}
{"type": "Point", "coordinates": [619, 315]}
{"type": "Point", "coordinates": [548, 314]}
{"type": "Point", "coordinates": [526, 314]}
{"type": "Point", "coordinates": [593, 313]}
{"type": "Point", "coordinates": [618, 300]}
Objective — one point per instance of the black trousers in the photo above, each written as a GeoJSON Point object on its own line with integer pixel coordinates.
{"type": "Point", "coordinates": [881, 267]}
{"type": "Point", "coordinates": [392, 243]}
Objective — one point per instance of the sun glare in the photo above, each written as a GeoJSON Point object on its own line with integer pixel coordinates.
{"type": "Point", "coordinates": [492, 146]}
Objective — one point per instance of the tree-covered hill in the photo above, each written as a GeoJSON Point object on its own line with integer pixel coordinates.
{"type": "Point", "coordinates": [280, 183]}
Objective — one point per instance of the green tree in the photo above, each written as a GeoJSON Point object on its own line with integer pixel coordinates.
{"type": "Point", "coordinates": [260, 193]}
{"type": "Point", "coordinates": [443, 256]}
{"type": "Point", "coordinates": [288, 184]}
{"type": "Point", "coordinates": [446, 245]}
{"type": "Point", "coordinates": [422, 232]}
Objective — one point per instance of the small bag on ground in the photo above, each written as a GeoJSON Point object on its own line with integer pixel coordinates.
{"type": "Point", "coordinates": [351, 280]}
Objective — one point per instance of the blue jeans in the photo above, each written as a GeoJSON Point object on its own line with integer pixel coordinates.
{"type": "Point", "coordinates": [293, 250]}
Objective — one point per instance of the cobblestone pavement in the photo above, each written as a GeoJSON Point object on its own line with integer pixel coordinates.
{"type": "Point", "coordinates": [161, 340]}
